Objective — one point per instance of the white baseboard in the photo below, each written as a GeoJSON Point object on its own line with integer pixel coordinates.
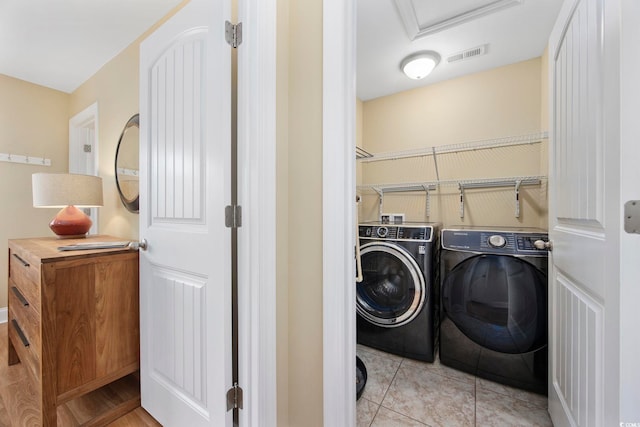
{"type": "Point", "coordinates": [4, 314]}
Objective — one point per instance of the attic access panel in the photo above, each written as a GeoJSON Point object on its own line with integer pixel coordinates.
{"type": "Point", "coordinates": [423, 17]}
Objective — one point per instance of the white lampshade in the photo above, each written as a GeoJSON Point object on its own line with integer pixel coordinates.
{"type": "Point", "coordinates": [57, 190]}
{"type": "Point", "coordinates": [420, 65]}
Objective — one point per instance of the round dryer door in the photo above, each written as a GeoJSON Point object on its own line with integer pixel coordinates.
{"type": "Point", "coordinates": [499, 302]}
{"type": "Point", "coordinates": [393, 290]}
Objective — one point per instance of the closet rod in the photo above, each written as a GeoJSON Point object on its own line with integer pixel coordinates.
{"type": "Point", "coordinates": [27, 160]}
{"type": "Point", "coordinates": [456, 148]}
{"type": "Point", "coordinates": [469, 183]}
{"type": "Point", "coordinates": [403, 188]}
{"type": "Point", "coordinates": [499, 183]}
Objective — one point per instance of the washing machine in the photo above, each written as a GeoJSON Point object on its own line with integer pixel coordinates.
{"type": "Point", "coordinates": [396, 301]}
{"type": "Point", "coordinates": [494, 305]}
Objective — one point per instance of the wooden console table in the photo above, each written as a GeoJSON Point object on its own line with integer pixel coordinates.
{"type": "Point", "coordinates": [74, 320]}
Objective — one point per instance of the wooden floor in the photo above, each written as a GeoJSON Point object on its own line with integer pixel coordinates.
{"type": "Point", "coordinates": [18, 399]}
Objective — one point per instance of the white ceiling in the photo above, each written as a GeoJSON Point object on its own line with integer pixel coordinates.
{"type": "Point", "coordinates": [515, 32]}
{"type": "Point", "coordinates": [61, 43]}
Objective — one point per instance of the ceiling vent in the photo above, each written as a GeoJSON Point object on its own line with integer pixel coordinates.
{"type": "Point", "coordinates": [467, 54]}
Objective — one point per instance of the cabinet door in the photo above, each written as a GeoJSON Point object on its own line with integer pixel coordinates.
{"type": "Point", "coordinates": [75, 325]}
{"type": "Point", "coordinates": [117, 315]}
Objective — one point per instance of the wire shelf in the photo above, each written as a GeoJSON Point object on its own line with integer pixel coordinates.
{"type": "Point", "coordinates": [527, 139]}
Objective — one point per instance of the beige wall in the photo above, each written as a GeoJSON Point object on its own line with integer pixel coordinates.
{"type": "Point", "coordinates": [115, 89]}
{"type": "Point", "coordinates": [304, 227]}
{"type": "Point", "coordinates": [33, 122]}
{"type": "Point", "coordinates": [498, 103]}
{"type": "Point", "coordinates": [359, 141]}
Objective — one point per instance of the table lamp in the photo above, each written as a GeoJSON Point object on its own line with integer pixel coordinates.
{"type": "Point", "coordinates": [69, 192]}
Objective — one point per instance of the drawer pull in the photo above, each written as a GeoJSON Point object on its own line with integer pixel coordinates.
{"type": "Point", "coordinates": [23, 338]}
{"type": "Point", "coordinates": [21, 297]}
{"type": "Point", "coordinates": [23, 262]}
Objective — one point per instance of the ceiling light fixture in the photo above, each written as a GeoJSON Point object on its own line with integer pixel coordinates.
{"type": "Point", "coordinates": [419, 65]}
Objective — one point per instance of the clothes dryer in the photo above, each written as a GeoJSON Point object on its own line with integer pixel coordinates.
{"type": "Point", "coordinates": [494, 305]}
{"type": "Point", "coordinates": [396, 301]}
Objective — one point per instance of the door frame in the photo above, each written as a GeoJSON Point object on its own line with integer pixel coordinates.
{"type": "Point", "coordinates": [339, 24]}
{"type": "Point", "coordinates": [257, 196]}
{"type": "Point", "coordinates": [338, 212]}
{"type": "Point", "coordinates": [77, 123]}
{"type": "Point", "coordinates": [630, 176]}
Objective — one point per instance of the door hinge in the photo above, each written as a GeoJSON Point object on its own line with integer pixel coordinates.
{"type": "Point", "coordinates": [234, 397]}
{"type": "Point", "coordinates": [233, 216]}
{"type": "Point", "coordinates": [632, 216]}
{"type": "Point", "coordinates": [233, 33]}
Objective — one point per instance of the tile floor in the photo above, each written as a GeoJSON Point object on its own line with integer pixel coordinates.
{"type": "Point", "coordinates": [405, 392]}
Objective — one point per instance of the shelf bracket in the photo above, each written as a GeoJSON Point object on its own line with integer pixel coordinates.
{"type": "Point", "coordinates": [517, 197]}
{"type": "Point", "coordinates": [461, 188]}
{"type": "Point", "coordinates": [380, 200]}
{"type": "Point", "coordinates": [435, 163]}
{"type": "Point", "coordinates": [428, 202]}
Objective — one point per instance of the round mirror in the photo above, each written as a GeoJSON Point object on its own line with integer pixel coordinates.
{"type": "Point", "coordinates": [127, 164]}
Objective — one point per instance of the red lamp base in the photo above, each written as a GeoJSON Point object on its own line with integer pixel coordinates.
{"type": "Point", "coordinates": [70, 222]}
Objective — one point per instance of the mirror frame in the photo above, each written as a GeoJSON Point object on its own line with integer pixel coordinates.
{"type": "Point", "coordinates": [133, 204]}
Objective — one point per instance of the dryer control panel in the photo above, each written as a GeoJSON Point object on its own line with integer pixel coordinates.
{"type": "Point", "coordinates": [420, 233]}
{"type": "Point", "coordinates": [494, 241]}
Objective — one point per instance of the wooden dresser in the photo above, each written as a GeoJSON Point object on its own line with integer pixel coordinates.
{"type": "Point", "coordinates": [74, 321]}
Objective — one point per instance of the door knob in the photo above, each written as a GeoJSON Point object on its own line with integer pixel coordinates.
{"type": "Point", "coordinates": [541, 244]}
{"type": "Point", "coordinates": [141, 245]}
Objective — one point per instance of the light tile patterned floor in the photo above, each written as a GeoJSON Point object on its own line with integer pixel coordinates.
{"type": "Point", "coordinates": [403, 392]}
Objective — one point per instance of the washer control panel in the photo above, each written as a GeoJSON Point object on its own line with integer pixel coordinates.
{"type": "Point", "coordinates": [494, 241]}
{"type": "Point", "coordinates": [423, 233]}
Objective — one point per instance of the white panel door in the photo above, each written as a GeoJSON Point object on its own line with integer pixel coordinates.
{"type": "Point", "coordinates": [584, 215]}
{"type": "Point", "coordinates": [185, 273]}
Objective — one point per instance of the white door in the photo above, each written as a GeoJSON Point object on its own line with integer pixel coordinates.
{"type": "Point", "coordinates": [185, 273]}
{"type": "Point", "coordinates": [83, 150]}
{"type": "Point", "coordinates": [584, 215]}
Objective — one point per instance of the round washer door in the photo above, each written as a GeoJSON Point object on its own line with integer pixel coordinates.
{"type": "Point", "coordinates": [499, 302]}
{"type": "Point", "coordinates": [393, 289]}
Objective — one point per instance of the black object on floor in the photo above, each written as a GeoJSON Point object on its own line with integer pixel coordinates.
{"type": "Point", "coordinates": [361, 377]}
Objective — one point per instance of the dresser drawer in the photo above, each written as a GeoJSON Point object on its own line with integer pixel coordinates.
{"type": "Point", "coordinates": [26, 350]}
{"type": "Point", "coordinates": [27, 318]}
{"type": "Point", "coordinates": [26, 278]}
